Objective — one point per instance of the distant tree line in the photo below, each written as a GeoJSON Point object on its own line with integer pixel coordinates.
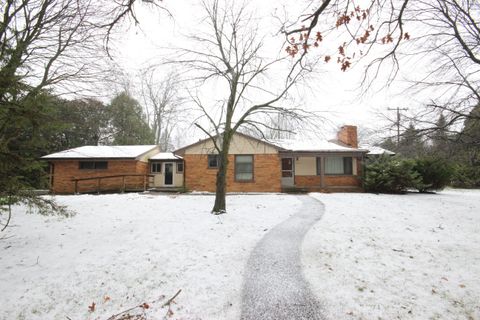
{"type": "Point", "coordinates": [456, 150]}
{"type": "Point", "coordinates": [61, 124]}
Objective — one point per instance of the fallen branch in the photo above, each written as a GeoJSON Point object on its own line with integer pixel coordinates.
{"type": "Point", "coordinates": [121, 315]}
{"type": "Point", "coordinates": [169, 301]}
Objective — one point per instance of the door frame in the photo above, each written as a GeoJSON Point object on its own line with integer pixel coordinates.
{"type": "Point", "coordinates": [287, 181]}
{"type": "Point", "coordinates": [165, 174]}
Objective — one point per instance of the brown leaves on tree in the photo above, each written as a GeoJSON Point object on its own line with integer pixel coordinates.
{"type": "Point", "coordinates": [358, 13]}
{"type": "Point", "coordinates": [363, 38]}
{"type": "Point", "coordinates": [387, 39]}
{"type": "Point", "coordinates": [292, 50]}
{"type": "Point", "coordinates": [342, 19]}
{"type": "Point", "coordinates": [365, 35]}
{"type": "Point", "coordinates": [345, 65]}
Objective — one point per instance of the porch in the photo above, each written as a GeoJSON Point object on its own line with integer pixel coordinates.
{"type": "Point", "coordinates": [322, 171]}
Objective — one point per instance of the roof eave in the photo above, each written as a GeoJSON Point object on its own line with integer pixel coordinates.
{"type": "Point", "coordinates": [89, 158]}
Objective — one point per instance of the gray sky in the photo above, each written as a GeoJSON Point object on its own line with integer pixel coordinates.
{"type": "Point", "coordinates": [332, 92]}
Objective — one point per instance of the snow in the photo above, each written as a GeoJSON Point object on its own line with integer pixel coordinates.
{"type": "Point", "coordinates": [375, 150]}
{"type": "Point", "coordinates": [165, 156]}
{"type": "Point", "coordinates": [102, 152]}
{"type": "Point", "coordinates": [125, 249]}
{"type": "Point", "coordinates": [414, 256]}
{"type": "Point", "coordinates": [312, 145]}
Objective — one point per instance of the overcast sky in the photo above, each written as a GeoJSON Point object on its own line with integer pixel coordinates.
{"type": "Point", "coordinates": [332, 92]}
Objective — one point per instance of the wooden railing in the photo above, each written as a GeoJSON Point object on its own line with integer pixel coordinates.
{"type": "Point", "coordinates": [123, 185]}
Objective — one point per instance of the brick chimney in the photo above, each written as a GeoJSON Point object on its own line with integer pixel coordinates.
{"type": "Point", "coordinates": [348, 135]}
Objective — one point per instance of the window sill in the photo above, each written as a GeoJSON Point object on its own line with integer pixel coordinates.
{"type": "Point", "coordinates": [244, 181]}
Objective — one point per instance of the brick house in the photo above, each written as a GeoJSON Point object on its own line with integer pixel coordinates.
{"type": "Point", "coordinates": [99, 168]}
{"type": "Point", "coordinates": [254, 166]}
{"type": "Point", "coordinates": [278, 165]}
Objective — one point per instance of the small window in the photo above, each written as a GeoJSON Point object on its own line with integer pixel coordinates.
{"type": "Point", "coordinates": [244, 168]}
{"type": "Point", "coordinates": [93, 165]}
{"type": "Point", "coordinates": [156, 167]}
{"type": "Point", "coordinates": [179, 167]}
{"type": "Point", "coordinates": [338, 165]}
{"type": "Point", "coordinates": [213, 161]}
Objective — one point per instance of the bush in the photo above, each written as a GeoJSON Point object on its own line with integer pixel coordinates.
{"type": "Point", "coordinates": [435, 173]}
{"type": "Point", "coordinates": [389, 174]}
{"type": "Point", "coordinates": [466, 176]}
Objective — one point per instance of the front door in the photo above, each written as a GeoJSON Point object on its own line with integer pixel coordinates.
{"type": "Point", "coordinates": [168, 174]}
{"type": "Point", "coordinates": [287, 172]}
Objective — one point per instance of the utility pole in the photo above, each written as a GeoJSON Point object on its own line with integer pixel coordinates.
{"type": "Point", "coordinates": [398, 121]}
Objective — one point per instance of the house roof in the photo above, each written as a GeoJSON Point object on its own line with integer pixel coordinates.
{"type": "Point", "coordinates": [180, 150]}
{"type": "Point", "coordinates": [102, 152]}
{"type": "Point", "coordinates": [375, 150]}
{"type": "Point", "coordinates": [313, 145]}
{"type": "Point", "coordinates": [292, 145]}
{"type": "Point", "coordinates": [166, 156]}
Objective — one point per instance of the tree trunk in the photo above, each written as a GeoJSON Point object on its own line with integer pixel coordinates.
{"type": "Point", "coordinates": [221, 189]}
{"type": "Point", "coordinates": [220, 205]}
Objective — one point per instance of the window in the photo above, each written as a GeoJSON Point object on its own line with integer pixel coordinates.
{"type": "Point", "coordinates": [93, 165]}
{"type": "Point", "coordinates": [244, 168]}
{"type": "Point", "coordinates": [213, 161]}
{"type": "Point", "coordinates": [156, 167]}
{"type": "Point", "coordinates": [338, 165]}
{"type": "Point", "coordinates": [179, 167]}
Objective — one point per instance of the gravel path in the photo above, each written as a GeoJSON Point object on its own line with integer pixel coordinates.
{"type": "Point", "coordinates": [274, 287]}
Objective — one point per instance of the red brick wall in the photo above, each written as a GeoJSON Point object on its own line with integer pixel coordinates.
{"type": "Point", "coordinates": [267, 175]}
{"type": "Point", "coordinates": [330, 181]}
{"type": "Point", "coordinates": [348, 136]}
{"type": "Point", "coordinates": [66, 170]}
{"type": "Point", "coordinates": [342, 181]}
{"type": "Point", "coordinates": [307, 181]}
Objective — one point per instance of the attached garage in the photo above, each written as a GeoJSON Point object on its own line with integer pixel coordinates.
{"type": "Point", "coordinates": [100, 168]}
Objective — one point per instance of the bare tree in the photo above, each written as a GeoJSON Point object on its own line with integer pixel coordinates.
{"type": "Point", "coordinates": [441, 37]}
{"type": "Point", "coordinates": [277, 126]}
{"type": "Point", "coordinates": [162, 100]}
{"type": "Point", "coordinates": [229, 55]}
{"type": "Point", "coordinates": [46, 46]}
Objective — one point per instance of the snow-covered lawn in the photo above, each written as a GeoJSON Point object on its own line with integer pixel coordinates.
{"type": "Point", "coordinates": [370, 257]}
{"type": "Point", "coordinates": [412, 256]}
{"type": "Point", "coordinates": [123, 250]}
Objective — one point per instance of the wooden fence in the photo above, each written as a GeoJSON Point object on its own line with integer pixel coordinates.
{"type": "Point", "coordinates": [122, 187]}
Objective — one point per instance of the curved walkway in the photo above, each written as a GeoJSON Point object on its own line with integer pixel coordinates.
{"type": "Point", "coordinates": [274, 287]}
